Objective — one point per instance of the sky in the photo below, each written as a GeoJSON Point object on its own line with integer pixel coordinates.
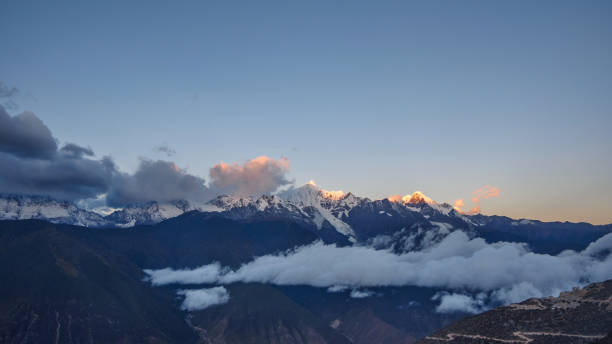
{"type": "Point", "coordinates": [374, 97]}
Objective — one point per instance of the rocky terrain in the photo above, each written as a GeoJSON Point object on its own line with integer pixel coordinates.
{"type": "Point", "coordinates": [578, 316]}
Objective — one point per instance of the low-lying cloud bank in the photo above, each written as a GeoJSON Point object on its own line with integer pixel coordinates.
{"type": "Point", "coordinates": [198, 299]}
{"type": "Point", "coordinates": [506, 272]}
{"type": "Point", "coordinates": [33, 164]}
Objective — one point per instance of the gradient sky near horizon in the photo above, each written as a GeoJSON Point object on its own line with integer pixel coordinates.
{"type": "Point", "coordinates": [373, 97]}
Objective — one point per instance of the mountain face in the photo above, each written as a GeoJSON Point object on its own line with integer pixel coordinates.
{"type": "Point", "coordinates": [59, 288]}
{"type": "Point", "coordinates": [578, 316]}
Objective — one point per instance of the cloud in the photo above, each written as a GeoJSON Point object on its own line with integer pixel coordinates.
{"type": "Point", "coordinates": [7, 93]}
{"type": "Point", "coordinates": [459, 204]}
{"type": "Point", "coordinates": [62, 177]}
{"type": "Point", "coordinates": [186, 276]}
{"type": "Point", "coordinates": [457, 263]}
{"type": "Point", "coordinates": [360, 294]}
{"type": "Point", "coordinates": [160, 181]}
{"type": "Point", "coordinates": [257, 176]}
{"type": "Point", "coordinates": [76, 151]}
{"type": "Point", "coordinates": [198, 299]}
{"type": "Point", "coordinates": [32, 164]}
{"type": "Point", "coordinates": [337, 289]}
{"type": "Point", "coordinates": [484, 192]}
{"type": "Point", "coordinates": [163, 181]}
{"type": "Point", "coordinates": [455, 302]}
{"type": "Point", "coordinates": [25, 135]}
{"type": "Point", "coordinates": [165, 149]}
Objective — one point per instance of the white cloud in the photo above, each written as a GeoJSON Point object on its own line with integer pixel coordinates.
{"type": "Point", "coordinates": [455, 302]}
{"type": "Point", "coordinates": [337, 289]}
{"type": "Point", "coordinates": [204, 273]}
{"type": "Point", "coordinates": [198, 299]}
{"type": "Point", "coordinates": [508, 272]}
{"type": "Point", "coordinates": [360, 294]}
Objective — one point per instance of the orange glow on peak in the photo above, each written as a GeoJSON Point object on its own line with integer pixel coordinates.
{"type": "Point", "coordinates": [335, 195]}
{"type": "Point", "coordinates": [395, 198]}
{"type": "Point", "coordinates": [415, 198]}
{"type": "Point", "coordinates": [311, 182]}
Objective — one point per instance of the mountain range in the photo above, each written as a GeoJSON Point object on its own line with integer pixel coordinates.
{"type": "Point", "coordinates": [71, 275]}
{"type": "Point", "coordinates": [338, 217]}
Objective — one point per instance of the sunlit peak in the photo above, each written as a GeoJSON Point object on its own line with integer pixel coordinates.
{"type": "Point", "coordinates": [416, 198]}
{"type": "Point", "coordinates": [335, 195]}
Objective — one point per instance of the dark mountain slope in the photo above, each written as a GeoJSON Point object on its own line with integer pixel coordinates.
{"type": "Point", "coordinates": [55, 288]}
{"type": "Point", "coordinates": [579, 316]}
{"type": "Point", "coordinates": [87, 285]}
{"type": "Point", "coordinates": [259, 313]}
{"type": "Point", "coordinates": [195, 239]}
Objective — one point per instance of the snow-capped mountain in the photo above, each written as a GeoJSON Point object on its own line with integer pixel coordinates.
{"type": "Point", "coordinates": [16, 207]}
{"type": "Point", "coordinates": [330, 206]}
{"type": "Point", "coordinates": [399, 223]}
{"type": "Point", "coordinates": [350, 217]}
{"type": "Point", "coordinates": [154, 212]}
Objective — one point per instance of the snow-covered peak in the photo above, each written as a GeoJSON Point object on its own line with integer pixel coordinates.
{"type": "Point", "coordinates": [18, 207]}
{"type": "Point", "coordinates": [261, 203]}
{"type": "Point", "coordinates": [311, 194]}
{"type": "Point", "coordinates": [417, 198]}
{"type": "Point", "coordinates": [154, 212]}
{"type": "Point", "coordinates": [326, 203]}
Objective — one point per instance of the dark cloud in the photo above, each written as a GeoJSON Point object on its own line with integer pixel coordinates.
{"type": "Point", "coordinates": [62, 176]}
{"type": "Point", "coordinates": [6, 96]}
{"type": "Point", "coordinates": [6, 91]}
{"type": "Point", "coordinates": [25, 135]}
{"type": "Point", "coordinates": [76, 151]}
{"type": "Point", "coordinates": [157, 181]}
{"type": "Point", "coordinates": [32, 165]}
{"type": "Point", "coordinates": [257, 176]}
{"type": "Point", "coordinates": [165, 149]}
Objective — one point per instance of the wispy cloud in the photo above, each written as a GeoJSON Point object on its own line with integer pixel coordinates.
{"type": "Point", "coordinates": [484, 192]}
{"type": "Point", "coordinates": [165, 149]}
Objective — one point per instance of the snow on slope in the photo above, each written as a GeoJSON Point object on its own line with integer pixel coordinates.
{"type": "Point", "coordinates": [310, 195]}
{"type": "Point", "coordinates": [14, 207]}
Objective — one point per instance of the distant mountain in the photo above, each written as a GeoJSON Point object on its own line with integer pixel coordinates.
{"type": "Point", "coordinates": [399, 223]}
{"type": "Point", "coordinates": [152, 212]}
{"type": "Point", "coordinates": [578, 316]}
{"type": "Point", "coordinates": [16, 207]}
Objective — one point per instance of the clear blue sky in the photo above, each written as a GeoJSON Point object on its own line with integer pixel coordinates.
{"type": "Point", "coordinates": [376, 97]}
